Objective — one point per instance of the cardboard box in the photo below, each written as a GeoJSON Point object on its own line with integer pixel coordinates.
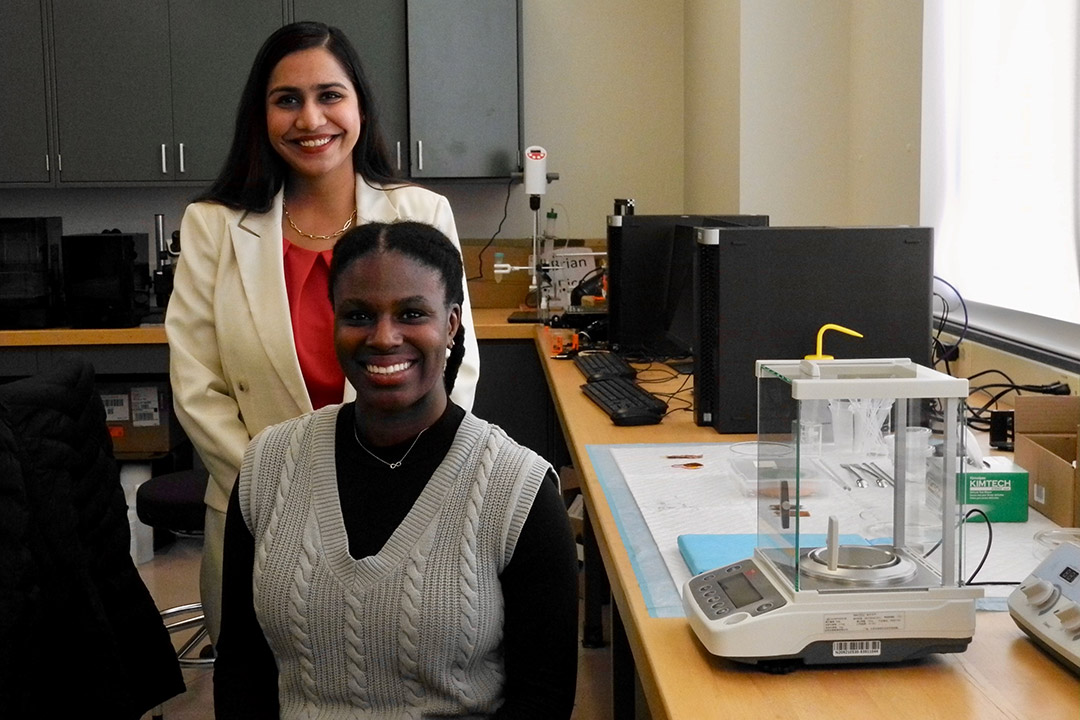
{"type": "Point", "coordinates": [1000, 490]}
{"type": "Point", "coordinates": [1047, 428]}
{"type": "Point", "coordinates": [140, 417]}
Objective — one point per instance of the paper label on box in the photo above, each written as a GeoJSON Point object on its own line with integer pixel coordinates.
{"type": "Point", "coordinates": [116, 408]}
{"type": "Point", "coordinates": [1040, 494]}
{"type": "Point", "coordinates": [145, 411]}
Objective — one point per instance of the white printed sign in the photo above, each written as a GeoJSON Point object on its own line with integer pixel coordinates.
{"type": "Point", "coordinates": [568, 266]}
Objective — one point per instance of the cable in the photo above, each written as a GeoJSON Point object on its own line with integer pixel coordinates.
{"type": "Point", "coordinates": [986, 552]}
{"type": "Point", "coordinates": [480, 255]}
{"type": "Point", "coordinates": [989, 541]}
{"type": "Point", "coordinates": [938, 345]}
{"type": "Point", "coordinates": [668, 396]}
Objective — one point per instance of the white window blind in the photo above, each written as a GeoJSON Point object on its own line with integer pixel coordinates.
{"type": "Point", "coordinates": [999, 163]}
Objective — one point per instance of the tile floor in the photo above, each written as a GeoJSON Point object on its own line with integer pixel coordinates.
{"type": "Point", "coordinates": [173, 579]}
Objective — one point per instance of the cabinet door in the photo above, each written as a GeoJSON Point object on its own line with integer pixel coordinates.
{"type": "Point", "coordinates": [113, 96]}
{"type": "Point", "coordinates": [213, 45]}
{"type": "Point", "coordinates": [24, 113]}
{"type": "Point", "coordinates": [376, 28]}
{"type": "Point", "coordinates": [463, 87]}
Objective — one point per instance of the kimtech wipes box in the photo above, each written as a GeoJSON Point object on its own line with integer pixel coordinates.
{"type": "Point", "coordinates": [1000, 490]}
{"type": "Point", "coordinates": [1046, 431]}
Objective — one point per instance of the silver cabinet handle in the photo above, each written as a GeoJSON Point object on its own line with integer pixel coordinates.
{"type": "Point", "coordinates": [419, 154]}
{"type": "Point", "coordinates": [59, 162]}
{"type": "Point", "coordinates": [181, 157]}
{"type": "Point", "coordinates": [398, 154]}
{"type": "Point", "coordinates": [164, 167]}
{"type": "Point", "coordinates": [46, 162]}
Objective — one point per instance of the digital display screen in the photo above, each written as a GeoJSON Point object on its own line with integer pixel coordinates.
{"type": "Point", "coordinates": [1068, 574]}
{"type": "Point", "coordinates": [740, 591]}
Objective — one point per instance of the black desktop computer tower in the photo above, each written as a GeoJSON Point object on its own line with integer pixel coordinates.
{"type": "Point", "coordinates": [763, 293]}
{"type": "Point", "coordinates": [31, 275]}
{"type": "Point", "coordinates": [650, 279]}
{"type": "Point", "coordinates": [99, 280]}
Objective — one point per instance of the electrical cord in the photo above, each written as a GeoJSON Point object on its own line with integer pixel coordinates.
{"type": "Point", "coordinates": [986, 552]}
{"type": "Point", "coordinates": [480, 255]}
{"type": "Point", "coordinates": [669, 396]}
{"type": "Point", "coordinates": [944, 352]}
{"type": "Point", "coordinates": [977, 418]}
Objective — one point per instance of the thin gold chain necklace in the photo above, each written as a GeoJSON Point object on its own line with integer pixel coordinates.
{"type": "Point", "coordinates": [348, 224]}
{"type": "Point", "coordinates": [391, 465]}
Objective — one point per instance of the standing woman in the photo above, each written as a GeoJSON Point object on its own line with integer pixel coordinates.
{"type": "Point", "coordinates": [249, 323]}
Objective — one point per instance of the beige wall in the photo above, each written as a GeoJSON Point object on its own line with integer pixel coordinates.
{"type": "Point", "coordinates": [713, 69]}
{"type": "Point", "coordinates": [805, 110]}
{"type": "Point", "coordinates": [885, 121]}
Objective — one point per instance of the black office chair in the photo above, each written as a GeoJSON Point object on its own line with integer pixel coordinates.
{"type": "Point", "coordinates": [67, 579]}
{"type": "Point", "coordinates": [173, 503]}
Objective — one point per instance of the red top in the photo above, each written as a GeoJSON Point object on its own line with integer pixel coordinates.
{"type": "Point", "coordinates": [307, 276]}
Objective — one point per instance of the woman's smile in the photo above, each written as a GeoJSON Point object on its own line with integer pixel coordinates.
{"type": "Point", "coordinates": [389, 369]}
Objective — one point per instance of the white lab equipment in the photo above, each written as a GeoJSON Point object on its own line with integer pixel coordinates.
{"type": "Point", "coordinates": [846, 576]}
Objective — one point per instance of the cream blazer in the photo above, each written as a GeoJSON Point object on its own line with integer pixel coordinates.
{"type": "Point", "coordinates": [232, 357]}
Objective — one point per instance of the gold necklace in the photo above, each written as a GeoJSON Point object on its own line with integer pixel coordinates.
{"type": "Point", "coordinates": [391, 465]}
{"type": "Point", "coordinates": [348, 224]}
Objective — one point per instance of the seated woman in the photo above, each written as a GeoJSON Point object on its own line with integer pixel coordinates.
{"type": "Point", "coordinates": [396, 557]}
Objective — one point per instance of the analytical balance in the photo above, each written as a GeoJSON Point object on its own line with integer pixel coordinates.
{"type": "Point", "coordinates": [861, 566]}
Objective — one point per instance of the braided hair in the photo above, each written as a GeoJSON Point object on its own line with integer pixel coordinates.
{"type": "Point", "coordinates": [424, 244]}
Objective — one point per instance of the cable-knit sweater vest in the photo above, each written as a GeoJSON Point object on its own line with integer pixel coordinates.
{"type": "Point", "coordinates": [414, 631]}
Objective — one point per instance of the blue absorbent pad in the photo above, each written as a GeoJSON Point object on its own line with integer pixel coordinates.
{"type": "Point", "coordinates": [707, 552]}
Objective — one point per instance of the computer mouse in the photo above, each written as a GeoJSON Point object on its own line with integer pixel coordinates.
{"type": "Point", "coordinates": [635, 416]}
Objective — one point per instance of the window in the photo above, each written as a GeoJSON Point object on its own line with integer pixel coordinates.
{"type": "Point", "coordinates": [999, 164]}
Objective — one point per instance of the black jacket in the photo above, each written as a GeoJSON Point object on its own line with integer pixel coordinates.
{"type": "Point", "coordinates": [79, 632]}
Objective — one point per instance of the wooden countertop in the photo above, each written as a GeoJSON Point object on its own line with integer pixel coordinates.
{"type": "Point", "coordinates": [1002, 675]}
{"type": "Point", "coordinates": [490, 324]}
{"type": "Point", "coordinates": [142, 335]}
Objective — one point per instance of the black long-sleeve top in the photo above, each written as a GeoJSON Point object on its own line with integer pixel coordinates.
{"type": "Point", "coordinates": [539, 584]}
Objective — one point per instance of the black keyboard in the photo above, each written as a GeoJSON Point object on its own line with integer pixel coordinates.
{"type": "Point", "coordinates": [601, 365]}
{"type": "Point", "coordinates": [625, 402]}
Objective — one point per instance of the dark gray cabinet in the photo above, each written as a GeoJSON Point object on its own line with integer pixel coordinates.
{"type": "Point", "coordinates": [117, 92]}
{"type": "Point", "coordinates": [147, 91]}
{"type": "Point", "coordinates": [24, 114]}
{"type": "Point", "coordinates": [464, 100]}
{"type": "Point", "coordinates": [113, 100]}
{"type": "Point", "coordinates": [376, 28]}
{"type": "Point", "coordinates": [213, 45]}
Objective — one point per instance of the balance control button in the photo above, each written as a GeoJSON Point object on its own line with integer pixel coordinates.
{"type": "Point", "coordinates": [1038, 593]}
{"type": "Point", "coordinates": [1069, 616]}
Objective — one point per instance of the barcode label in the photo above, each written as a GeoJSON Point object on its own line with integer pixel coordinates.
{"type": "Point", "coordinates": [116, 408]}
{"type": "Point", "coordinates": [851, 648]}
{"type": "Point", "coordinates": [145, 411]}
